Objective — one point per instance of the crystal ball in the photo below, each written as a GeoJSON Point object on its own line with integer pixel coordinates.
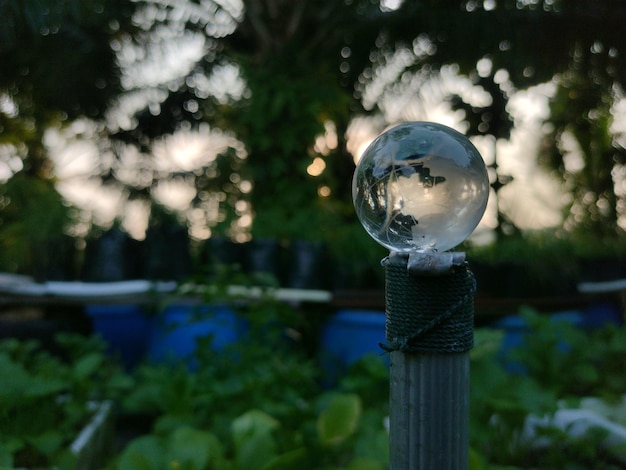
{"type": "Point", "coordinates": [420, 186]}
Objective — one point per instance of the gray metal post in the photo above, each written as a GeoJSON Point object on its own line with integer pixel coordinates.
{"type": "Point", "coordinates": [429, 412]}
{"type": "Point", "coordinates": [429, 335]}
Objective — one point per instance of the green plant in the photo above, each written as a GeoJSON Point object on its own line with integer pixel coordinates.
{"type": "Point", "coordinates": [331, 430]}
{"type": "Point", "coordinates": [500, 402]}
{"type": "Point", "coordinates": [256, 439]}
{"type": "Point", "coordinates": [262, 396]}
{"type": "Point", "coordinates": [571, 361]}
{"type": "Point", "coordinates": [559, 364]}
{"type": "Point", "coordinates": [32, 213]}
{"type": "Point", "coordinates": [43, 398]}
{"type": "Point", "coordinates": [258, 402]}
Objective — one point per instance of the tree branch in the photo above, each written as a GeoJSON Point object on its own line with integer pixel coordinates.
{"type": "Point", "coordinates": [296, 18]}
{"type": "Point", "coordinates": [255, 17]}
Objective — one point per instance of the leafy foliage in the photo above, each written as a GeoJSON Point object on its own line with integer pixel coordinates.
{"type": "Point", "coordinates": [31, 213]}
{"type": "Point", "coordinates": [271, 416]}
{"type": "Point", "coordinates": [306, 67]}
{"type": "Point", "coordinates": [572, 362]}
{"type": "Point", "coordinates": [558, 364]}
{"type": "Point", "coordinates": [56, 391]}
{"type": "Point", "coordinates": [259, 402]}
{"type": "Point", "coordinates": [60, 55]}
{"type": "Point", "coordinates": [600, 149]}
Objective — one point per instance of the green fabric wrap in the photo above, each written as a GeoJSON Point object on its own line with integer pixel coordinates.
{"type": "Point", "coordinates": [429, 314]}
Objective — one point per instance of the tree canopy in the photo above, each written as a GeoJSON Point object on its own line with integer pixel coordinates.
{"type": "Point", "coordinates": [278, 74]}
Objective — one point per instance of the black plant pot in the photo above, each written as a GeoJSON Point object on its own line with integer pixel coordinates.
{"type": "Point", "coordinates": [220, 251]}
{"type": "Point", "coordinates": [305, 266]}
{"type": "Point", "coordinates": [167, 254]}
{"type": "Point", "coordinates": [54, 259]}
{"type": "Point", "coordinates": [114, 256]}
{"type": "Point", "coordinates": [603, 269]}
{"type": "Point", "coordinates": [264, 256]}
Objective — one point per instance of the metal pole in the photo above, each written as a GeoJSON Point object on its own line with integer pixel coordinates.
{"type": "Point", "coordinates": [429, 334]}
{"type": "Point", "coordinates": [429, 420]}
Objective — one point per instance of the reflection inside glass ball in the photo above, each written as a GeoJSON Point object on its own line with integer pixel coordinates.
{"type": "Point", "coordinates": [420, 186]}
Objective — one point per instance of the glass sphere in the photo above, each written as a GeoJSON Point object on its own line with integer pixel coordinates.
{"type": "Point", "coordinates": [420, 186]}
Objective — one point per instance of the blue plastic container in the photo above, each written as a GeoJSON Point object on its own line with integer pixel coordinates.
{"type": "Point", "coordinates": [600, 314]}
{"type": "Point", "coordinates": [125, 328]}
{"type": "Point", "coordinates": [348, 336]}
{"type": "Point", "coordinates": [176, 332]}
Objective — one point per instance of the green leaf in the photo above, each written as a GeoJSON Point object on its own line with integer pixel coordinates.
{"type": "Point", "coordinates": [253, 422]}
{"type": "Point", "coordinates": [47, 443]}
{"type": "Point", "coordinates": [476, 461]}
{"type": "Point", "coordinates": [12, 444]}
{"type": "Point", "coordinates": [194, 448]}
{"type": "Point", "coordinates": [121, 382]}
{"type": "Point", "coordinates": [372, 442]}
{"type": "Point", "coordinates": [6, 456]}
{"type": "Point", "coordinates": [255, 452]}
{"type": "Point", "coordinates": [67, 460]}
{"type": "Point", "coordinates": [366, 464]}
{"type": "Point", "coordinates": [39, 387]}
{"type": "Point", "coordinates": [254, 443]}
{"type": "Point", "coordinates": [168, 423]}
{"type": "Point", "coordinates": [18, 384]}
{"type": "Point", "coordinates": [340, 419]}
{"type": "Point", "coordinates": [293, 460]}
{"type": "Point", "coordinates": [87, 365]}
{"type": "Point", "coordinates": [586, 373]}
{"type": "Point", "coordinates": [144, 453]}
